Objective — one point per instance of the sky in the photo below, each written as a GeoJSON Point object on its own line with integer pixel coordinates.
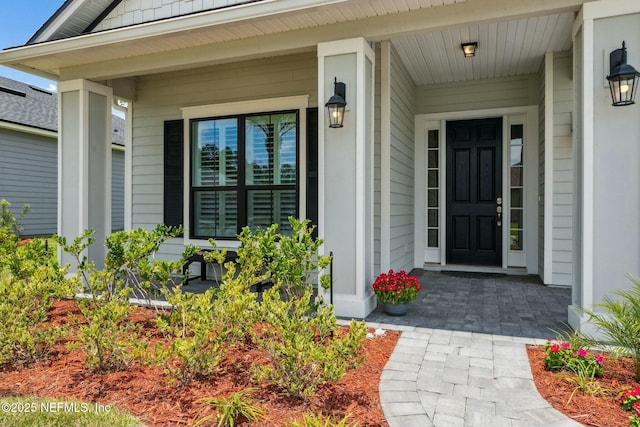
{"type": "Point", "coordinates": [19, 20]}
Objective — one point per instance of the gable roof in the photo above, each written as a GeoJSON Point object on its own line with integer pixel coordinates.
{"type": "Point", "coordinates": [27, 105]}
{"type": "Point", "coordinates": [77, 17]}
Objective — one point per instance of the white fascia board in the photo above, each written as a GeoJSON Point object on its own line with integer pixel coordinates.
{"type": "Point", "coordinates": [28, 129]}
{"type": "Point", "coordinates": [609, 8]}
{"type": "Point", "coordinates": [162, 28]}
{"type": "Point", "coordinates": [60, 20]}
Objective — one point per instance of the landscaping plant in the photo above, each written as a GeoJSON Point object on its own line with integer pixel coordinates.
{"type": "Point", "coordinates": [237, 406]}
{"type": "Point", "coordinates": [564, 356]}
{"type": "Point", "coordinates": [319, 420]}
{"type": "Point", "coordinates": [29, 278]}
{"type": "Point", "coordinates": [108, 338]}
{"type": "Point", "coordinates": [298, 333]}
{"type": "Point", "coordinates": [396, 287]}
{"type": "Point", "coordinates": [631, 402]}
{"type": "Point", "coordinates": [620, 325]}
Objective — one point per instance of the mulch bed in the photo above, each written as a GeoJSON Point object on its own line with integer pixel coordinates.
{"type": "Point", "coordinates": [597, 411]}
{"type": "Point", "coordinates": [143, 391]}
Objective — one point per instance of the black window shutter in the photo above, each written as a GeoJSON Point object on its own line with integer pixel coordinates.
{"type": "Point", "coordinates": [312, 167]}
{"type": "Point", "coordinates": [173, 172]}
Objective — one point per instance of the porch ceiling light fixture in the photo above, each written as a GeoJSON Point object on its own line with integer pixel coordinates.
{"type": "Point", "coordinates": [335, 105]}
{"type": "Point", "coordinates": [623, 78]}
{"type": "Point", "coordinates": [469, 49]}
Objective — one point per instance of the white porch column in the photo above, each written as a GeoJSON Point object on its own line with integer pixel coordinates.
{"type": "Point", "coordinates": [84, 163]}
{"type": "Point", "coordinates": [346, 174]}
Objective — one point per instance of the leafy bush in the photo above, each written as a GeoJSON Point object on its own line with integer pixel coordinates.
{"type": "Point", "coordinates": [621, 324]}
{"type": "Point", "coordinates": [129, 266]}
{"type": "Point", "coordinates": [238, 405]}
{"type": "Point", "coordinates": [29, 278]}
{"type": "Point", "coordinates": [197, 347]}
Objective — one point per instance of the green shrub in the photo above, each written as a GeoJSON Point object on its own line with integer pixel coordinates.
{"type": "Point", "coordinates": [197, 346]}
{"type": "Point", "coordinates": [130, 266]}
{"type": "Point", "coordinates": [238, 405]}
{"type": "Point", "coordinates": [621, 323]}
{"type": "Point", "coordinates": [29, 278]}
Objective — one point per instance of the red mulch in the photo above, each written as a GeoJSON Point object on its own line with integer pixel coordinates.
{"type": "Point", "coordinates": [600, 411]}
{"type": "Point", "coordinates": [143, 391]}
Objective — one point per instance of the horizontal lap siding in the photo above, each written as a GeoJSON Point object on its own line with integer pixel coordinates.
{"type": "Point", "coordinates": [478, 94]}
{"type": "Point", "coordinates": [28, 175]}
{"type": "Point", "coordinates": [160, 98]}
{"type": "Point", "coordinates": [117, 190]}
{"type": "Point", "coordinates": [563, 172]}
{"type": "Point", "coordinates": [402, 167]}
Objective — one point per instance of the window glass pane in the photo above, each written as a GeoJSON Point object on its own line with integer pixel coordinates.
{"type": "Point", "coordinates": [516, 197]}
{"type": "Point", "coordinates": [516, 155]}
{"type": "Point", "coordinates": [516, 240]}
{"type": "Point", "coordinates": [432, 218]}
{"type": "Point", "coordinates": [215, 213]}
{"type": "Point", "coordinates": [432, 159]}
{"type": "Point", "coordinates": [516, 218]}
{"type": "Point", "coordinates": [432, 138]}
{"type": "Point", "coordinates": [271, 149]}
{"type": "Point", "coordinates": [432, 178]}
{"type": "Point", "coordinates": [432, 238]}
{"type": "Point", "coordinates": [215, 152]}
{"type": "Point", "coordinates": [516, 134]}
{"type": "Point", "coordinates": [432, 198]}
{"type": "Point", "coordinates": [266, 207]}
{"type": "Point", "coordinates": [516, 176]}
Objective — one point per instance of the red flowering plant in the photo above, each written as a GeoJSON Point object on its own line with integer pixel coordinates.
{"type": "Point", "coordinates": [563, 356]}
{"type": "Point", "coordinates": [631, 402]}
{"type": "Point", "coordinates": [396, 287]}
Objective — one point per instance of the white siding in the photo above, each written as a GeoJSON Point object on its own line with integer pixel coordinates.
{"type": "Point", "coordinates": [29, 175]}
{"type": "Point", "coordinates": [478, 95]}
{"type": "Point", "coordinates": [402, 165]}
{"type": "Point", "coordinates": [161, 96]}
{"type": "Point", "coordinates": [563, 172]}
{"type": "Point", "coordinates": [130, 12]}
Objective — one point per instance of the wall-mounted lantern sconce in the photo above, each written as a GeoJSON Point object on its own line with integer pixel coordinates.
{"type": "Point", "coordinates": [623, 78]}
{"type": "Point", "coordinates": [335, 105]}
{"type": "Point", "coordinates": [469, 49]}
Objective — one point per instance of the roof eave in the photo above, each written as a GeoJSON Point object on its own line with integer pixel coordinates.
{"type": "Point", "coordinates": [18, 57]}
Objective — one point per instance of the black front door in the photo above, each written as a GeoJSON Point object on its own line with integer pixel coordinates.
{"type": "Point", "coordinates": [474, 192]}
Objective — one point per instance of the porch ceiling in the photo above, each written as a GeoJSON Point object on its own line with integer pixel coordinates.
{"type": "Point", "coordinates": [513, 36]}
{"type": "Point", "coordinates": [506, 48]}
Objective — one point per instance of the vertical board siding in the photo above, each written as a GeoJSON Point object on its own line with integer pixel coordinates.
{"type": "Point", "coordinates": [541, 171]}
{"type": "Point", "coordinates": [478, 94]}
{"type": "Point", "coordinates": [160, 97]}
{"type": "Point", "coordinates": [29, 175]}
{"type": "Point", "coordinates": [117, 190]}
{"type": "Point", "coordinates": [402, 165]}
{"type": "Point", "coordinates": [377, 199]}
{"type": "Point", "coordinates": [563, 172]}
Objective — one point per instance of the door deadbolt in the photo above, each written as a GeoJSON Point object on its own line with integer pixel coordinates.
{"type": "Point", "coordinates": [499, 200]}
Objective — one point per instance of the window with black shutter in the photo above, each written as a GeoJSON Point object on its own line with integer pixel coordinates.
{"type": "Point", "coordinates": [244, 172]}
{"type": "Point", "coordinates": [173, 172]}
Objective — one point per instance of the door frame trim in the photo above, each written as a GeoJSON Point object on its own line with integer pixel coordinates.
{"type": "Point", "coordinates": [438, 121]}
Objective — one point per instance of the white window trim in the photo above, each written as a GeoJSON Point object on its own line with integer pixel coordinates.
{"type": "Point", "coordinates": [300, 103]}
